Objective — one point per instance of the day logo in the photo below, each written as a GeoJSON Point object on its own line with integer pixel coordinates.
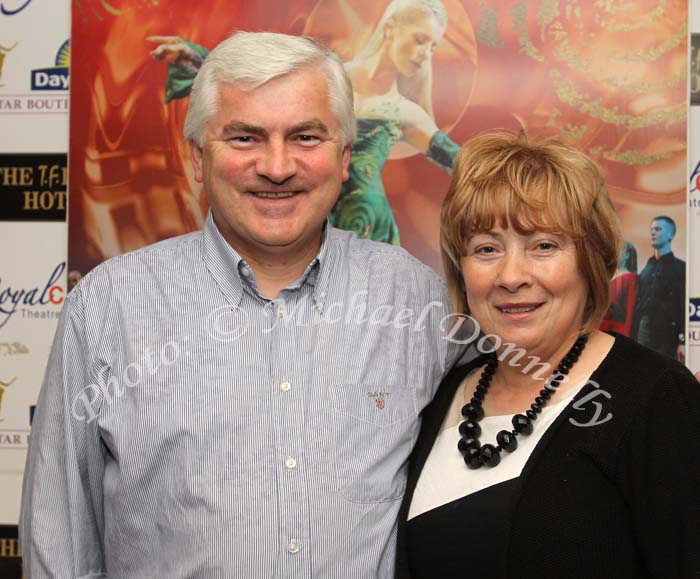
{"type": "Point", "coordinates": [694, 309]}
{"type": "Point", "coordinates": [54, 77]}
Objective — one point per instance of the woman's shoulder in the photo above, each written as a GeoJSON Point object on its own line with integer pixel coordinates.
{"type": "Point", "coordinates": [630, 361]}
{"type": "Point", "coordinates": [638, 378]}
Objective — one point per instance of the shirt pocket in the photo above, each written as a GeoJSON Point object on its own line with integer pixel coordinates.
{"type": "Point", "coordinates": [374, 427]}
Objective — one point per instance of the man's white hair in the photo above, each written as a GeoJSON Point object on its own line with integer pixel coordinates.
{"type": "Point", "coordinates": [248, 60]}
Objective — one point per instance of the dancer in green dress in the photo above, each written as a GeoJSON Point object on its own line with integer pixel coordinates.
{"type": "Point", "coordinates": [392, 78]}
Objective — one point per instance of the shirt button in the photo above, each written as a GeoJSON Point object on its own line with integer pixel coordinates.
{"type": "Point", "coordinates": [290, 463]}
{"type": "Point", "coordinates": [245, 272]}
{"type": "Point", "coordinates": [285, 386]}
{"type": "Point", "coordinates": [280, 312]}
{"type": "Point", "coordinates": [293, 547]}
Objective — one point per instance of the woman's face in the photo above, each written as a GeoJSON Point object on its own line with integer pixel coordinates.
{"type": "Point", "coordinates": [409, 45]}
{"type": "Point", "coordinates": [526, 289]}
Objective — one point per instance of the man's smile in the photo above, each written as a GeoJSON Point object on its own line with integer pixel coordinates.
{"type": "Point", "coordinates": [274, 195]}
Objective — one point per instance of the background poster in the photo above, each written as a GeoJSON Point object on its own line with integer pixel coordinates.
{"type": "Point", "coordinates": [608, 76]}
{"type": "Point", "coordinates": [34, 85]}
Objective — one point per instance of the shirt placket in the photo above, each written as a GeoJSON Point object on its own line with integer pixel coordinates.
{"type": "Point", "coordinates": [287, 375]}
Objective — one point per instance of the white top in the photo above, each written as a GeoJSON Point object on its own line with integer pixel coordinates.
{"type": "Point", "coordinates": [445, 477]}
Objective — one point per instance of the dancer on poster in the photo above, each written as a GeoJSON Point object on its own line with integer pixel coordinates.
{"type": "Point", "coordinates": [392, 80]}
{"type": "Point", "coordinates": [623, 293]}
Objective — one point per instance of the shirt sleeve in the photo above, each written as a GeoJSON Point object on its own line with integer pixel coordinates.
{"type": "Point", "coordinates": [661, 477]}
{"type": "Point", "coordinates": [61, 519]}
{"type": "Point", "coordinates": [442, 340]}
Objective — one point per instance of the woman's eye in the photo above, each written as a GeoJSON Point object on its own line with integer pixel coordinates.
{"type": "Point", "coordinates": [545, 246]}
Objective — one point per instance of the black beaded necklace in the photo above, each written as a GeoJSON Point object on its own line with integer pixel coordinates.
{"type": "Point", "coordinates": [476, 455]}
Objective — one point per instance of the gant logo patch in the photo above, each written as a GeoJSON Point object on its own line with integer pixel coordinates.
{"type": "Point", "coordinates": [379, 398]}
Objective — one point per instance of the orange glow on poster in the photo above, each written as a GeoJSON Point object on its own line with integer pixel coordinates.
{"type": "Point", "coordinates": [608, 76]}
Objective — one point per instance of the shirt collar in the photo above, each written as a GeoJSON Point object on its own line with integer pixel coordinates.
{"type": "Point", "coordinates": [327, 258]}
{"type": "Point", "coordinates": [223, 262]}
{"type": "Point", "coordinates": [231, 271]}
{"type": "Point", "coordinates": [318, 272]}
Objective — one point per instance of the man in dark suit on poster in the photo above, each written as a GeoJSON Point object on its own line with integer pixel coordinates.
{"type": "Point", "coordinates": [661, 306]}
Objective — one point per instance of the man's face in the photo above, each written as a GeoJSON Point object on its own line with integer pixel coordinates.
{"type": "Point", "coordinates": [661, 233]}
{"type": "Point", "coordinates": [272, 164]}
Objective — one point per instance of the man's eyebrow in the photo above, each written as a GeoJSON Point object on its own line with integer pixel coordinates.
{"type": "Point", "coordinates": [311, 125]}
{"type": "Point", "coordinates": [239, 127]}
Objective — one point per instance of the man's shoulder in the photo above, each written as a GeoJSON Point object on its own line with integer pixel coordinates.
{"type": "Point", "coordinates": [669, 259]}
{"type": "Point", "coordinates": [678, 263]}
{"type": "Point", "coordinates": [169, 245]}
{"type": "Point", "coordinates": [370, 254]}
{"type": "Point", "coordinates": [163, 257]}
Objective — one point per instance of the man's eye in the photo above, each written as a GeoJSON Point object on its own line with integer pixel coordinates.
{"type": "Point", "coordinates": [308, 139]}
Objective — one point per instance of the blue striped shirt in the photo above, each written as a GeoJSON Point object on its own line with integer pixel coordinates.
{"type": "Point", "coordinates": [189, 428]}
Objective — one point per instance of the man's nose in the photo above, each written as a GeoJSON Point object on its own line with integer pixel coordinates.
{"type": "Point", "coordinates": [275, 162]}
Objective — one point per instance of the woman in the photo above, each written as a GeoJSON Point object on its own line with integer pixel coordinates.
{"type": "Point", "coordinates": [567, 452]}
{"type": "Point", "coordinates": [391, 76]}
{"type": "Point", "coordinates": [623, 294]}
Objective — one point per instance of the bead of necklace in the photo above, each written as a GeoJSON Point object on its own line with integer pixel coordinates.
{"type": "Point", "coordinates": [476, 455]}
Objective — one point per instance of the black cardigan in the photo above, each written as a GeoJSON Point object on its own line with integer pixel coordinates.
{"type": "Point", "coordinates": [616, 500]}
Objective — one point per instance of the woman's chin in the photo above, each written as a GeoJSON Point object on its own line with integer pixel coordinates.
{"type": "Point", "coordinates": [520, 344]}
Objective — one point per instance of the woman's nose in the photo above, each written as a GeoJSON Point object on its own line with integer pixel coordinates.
{"type": "Point", "coordinates": [515, 271]}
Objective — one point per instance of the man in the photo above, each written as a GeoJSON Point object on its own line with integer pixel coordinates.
{"type": "Point", "coordinates": [242, 401]}
{"type": "Point", "coordinates": [661, 307]}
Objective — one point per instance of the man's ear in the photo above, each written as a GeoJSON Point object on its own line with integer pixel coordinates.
{"type": "Point", "coordinates": [197, 161]}
{"type": "Point", "coordinates": [346, 162]}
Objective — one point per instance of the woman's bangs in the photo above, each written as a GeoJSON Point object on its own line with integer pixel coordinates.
{"type": "Point", "coordinates": [507, 207]}
{"type": "Point", "coordinates": [543, 211]}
